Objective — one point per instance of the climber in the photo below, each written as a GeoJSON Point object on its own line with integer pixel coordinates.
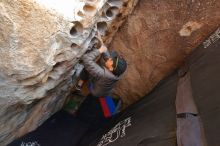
{"type": "Point", "coordinates": [102, 77]}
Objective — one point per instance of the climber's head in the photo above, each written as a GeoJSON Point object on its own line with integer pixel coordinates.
{"type": "Point", "coordinates": [116, 64]}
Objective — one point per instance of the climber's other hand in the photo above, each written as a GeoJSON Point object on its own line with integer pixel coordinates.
{"type": "Point", "coordinates": [103, 49]}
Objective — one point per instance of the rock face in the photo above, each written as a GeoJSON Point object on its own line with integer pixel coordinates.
{"type": "Point", "coordinates": [39, 46]}
{"type": "Point", "coordinates": [157, 37]}
{"type": "Point", "coordinates": [35, 53]}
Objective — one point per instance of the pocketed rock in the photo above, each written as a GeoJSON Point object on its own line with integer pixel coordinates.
{"type": "Point", "coordinates": [39, 46]}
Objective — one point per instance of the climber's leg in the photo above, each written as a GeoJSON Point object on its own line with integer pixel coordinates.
{"type": "Point", "coordinates": [90, 111]}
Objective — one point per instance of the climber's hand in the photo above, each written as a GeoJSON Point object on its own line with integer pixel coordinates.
{"type": "Point", "coordinates": [103, 49]}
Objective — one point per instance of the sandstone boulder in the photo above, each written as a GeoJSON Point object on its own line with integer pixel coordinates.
{"type": "Point", "coordinates": [40, 42]}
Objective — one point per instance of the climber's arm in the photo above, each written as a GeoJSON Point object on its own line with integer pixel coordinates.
{"type": "Point", "coordinates": [90, 64]}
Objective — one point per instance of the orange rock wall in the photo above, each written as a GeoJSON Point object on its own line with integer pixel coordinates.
{"type": "Point", "coordinates": [157, 37]}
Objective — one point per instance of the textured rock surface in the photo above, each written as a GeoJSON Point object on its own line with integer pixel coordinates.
{"type": "Point", "coordinates": [157, 37]}
{"type": "Point", "coordinates": [39, 45]}
{"type": "Point", "coordinates": [31, 40]}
